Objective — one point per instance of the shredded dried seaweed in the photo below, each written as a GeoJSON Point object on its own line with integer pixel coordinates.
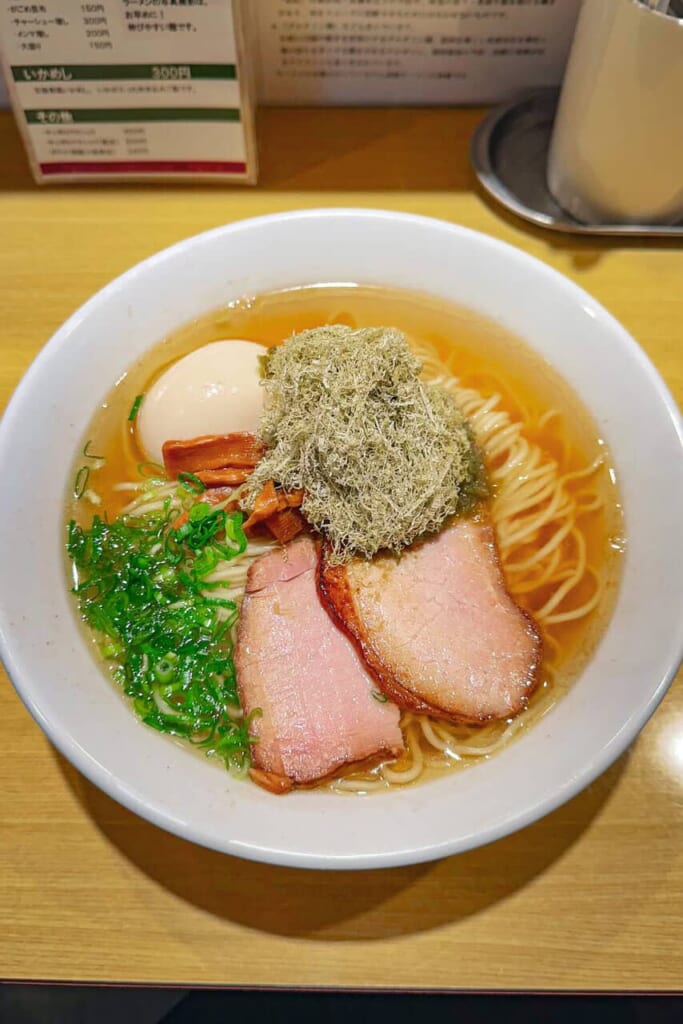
{"type": "Point", "coordinates": [383, 458]}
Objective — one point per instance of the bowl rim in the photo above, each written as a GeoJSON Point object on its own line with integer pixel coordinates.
{"type": "Point", "coordinates": [123, 793]}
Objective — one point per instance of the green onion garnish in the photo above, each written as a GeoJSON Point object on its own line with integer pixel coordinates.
{"type": "Point", "coordinates": [87, 454]}
{"type": "Point", "coordinates": [380, 697]}
{"type": "Point", "coordinates": [191, 483]}
{"type": "Point", "coordinates": [142, 587]}
{"type": "Point", "coordinates": [81, 482]}
{"type": "Point", "coordinates": [151, 471]}
{"type": "Point", "coordinates": [135, 407]}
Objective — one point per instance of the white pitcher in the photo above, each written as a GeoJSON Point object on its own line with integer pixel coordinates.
{"type": "Point", "coordinates": [617, 148]}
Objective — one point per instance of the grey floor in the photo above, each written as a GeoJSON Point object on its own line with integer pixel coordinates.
{"type": "Point", "coordinates": [33, 1004]}
{"type": "Point", "coordinates": [48, 1004]}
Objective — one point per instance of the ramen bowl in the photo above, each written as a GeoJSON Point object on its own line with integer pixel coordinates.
{"type": "Point", "coordinates": [51, 663]}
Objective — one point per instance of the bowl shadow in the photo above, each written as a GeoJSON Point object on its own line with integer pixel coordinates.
{"type": "Point", "coordinates": [343, 905]}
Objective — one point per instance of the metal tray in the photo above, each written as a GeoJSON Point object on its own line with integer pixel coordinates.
{"type": "Point", "coordinates": [509, 152]}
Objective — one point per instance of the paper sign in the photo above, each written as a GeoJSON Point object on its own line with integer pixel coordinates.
{"type": "Point", "coordinates": [108, 88]}
{"type": "Point", "coordinates": [410, 51]}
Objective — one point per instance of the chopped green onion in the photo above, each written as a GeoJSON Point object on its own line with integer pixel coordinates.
{"type": "Point", "coordinates": [135, 407]}
{"type": "Point", "coordinates": [206, 561]}
{"type": "Point", "coordinates": [380, 697]}
{"type": "Point", "coordinates": [141, 585]}
{"type": "Point", "coordinates": [191, 483]}
{"type": "Point", "coordinates": [165, 669]}
{"type": "Point", "coordinates": [81, 482]}
{"type": "Point", "coordinates": [111, 651]}
{"type": "Point", "coordinates": [151, 471]}
{"type": "Point", "coordinates": [234, 531]}
{"type": "Point", "coordinates": [89, 455]}
{"type": "Point", "coordinates": [199, 511]}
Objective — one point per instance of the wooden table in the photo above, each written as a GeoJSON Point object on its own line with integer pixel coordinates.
{"type": "Point", "coordinates": [589, 898]}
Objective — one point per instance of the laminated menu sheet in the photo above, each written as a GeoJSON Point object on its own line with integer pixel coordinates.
{"type": "Point", "coordinates": [116, 89]}
{"type": "Point", "coordinates": [410, 51]}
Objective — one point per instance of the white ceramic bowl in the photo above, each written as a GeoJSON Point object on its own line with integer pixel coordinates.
{"type": "Point", "coordinates": [91, 724]}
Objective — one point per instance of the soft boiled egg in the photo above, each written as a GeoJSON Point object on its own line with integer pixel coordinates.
{"type": "Point", "coordinates": [213, 390]}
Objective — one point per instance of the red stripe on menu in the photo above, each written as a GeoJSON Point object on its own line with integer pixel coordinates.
{"type": "Point", "coordinates": [146, 166]}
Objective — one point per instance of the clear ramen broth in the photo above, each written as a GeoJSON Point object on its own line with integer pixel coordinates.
{"type": "Point", "coordinates": [554, 497]}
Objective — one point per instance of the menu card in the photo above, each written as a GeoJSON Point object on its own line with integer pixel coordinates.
{"type": "Point", "coordinates": [108, 89]}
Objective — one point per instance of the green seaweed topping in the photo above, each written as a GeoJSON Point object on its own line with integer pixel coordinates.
{"type": "Point", "coordinates": [382, 457]}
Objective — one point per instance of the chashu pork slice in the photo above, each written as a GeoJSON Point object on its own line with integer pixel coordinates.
{"type": "Point", "coordinates": [438, 627]}
{"type": "Point", "coordinates": [312, 686]}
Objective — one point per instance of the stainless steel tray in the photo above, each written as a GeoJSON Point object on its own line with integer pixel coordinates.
{"type": "Point", "coordinates": [509, 153]}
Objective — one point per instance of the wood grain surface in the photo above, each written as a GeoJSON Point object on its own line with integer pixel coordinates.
{"type": "Point", "coordinates": [589, 898]}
